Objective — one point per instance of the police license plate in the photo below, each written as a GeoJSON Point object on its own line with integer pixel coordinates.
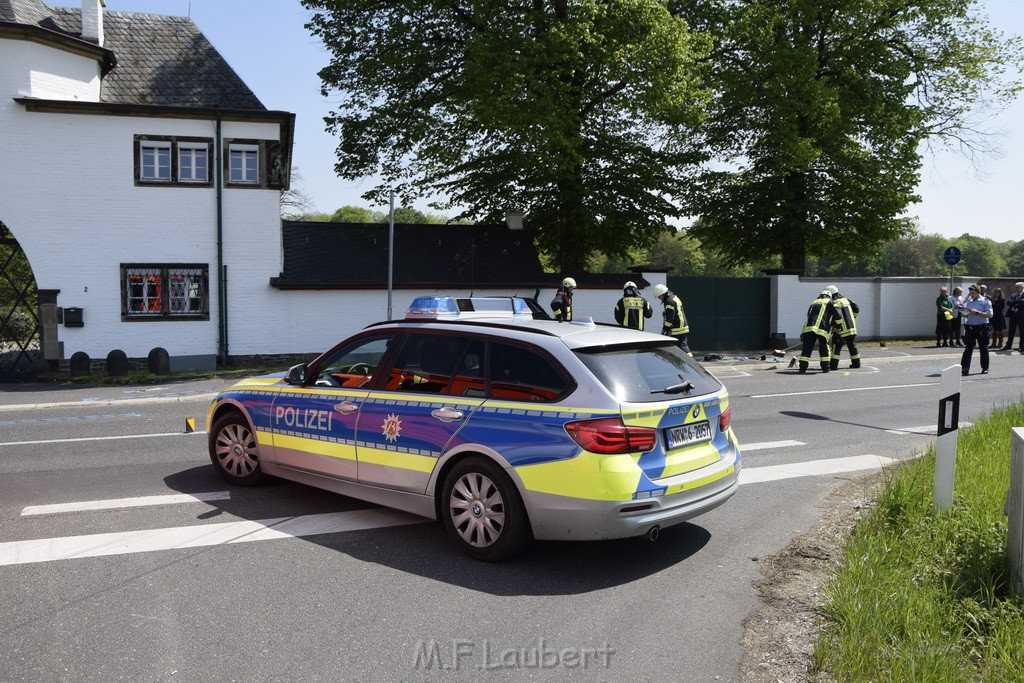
{"type": "Point", "coordinates": [686, 435]}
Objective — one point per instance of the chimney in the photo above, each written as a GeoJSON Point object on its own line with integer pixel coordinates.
{"type": "Point", "coordinates": [92, 20]}
{"type": "Point", "coordinates": [514, 219]}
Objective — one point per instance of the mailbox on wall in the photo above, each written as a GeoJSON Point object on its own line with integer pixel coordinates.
{"type": "Point", "coordinates": [73, 317]}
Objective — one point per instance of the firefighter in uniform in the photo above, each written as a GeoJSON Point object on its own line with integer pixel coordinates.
{"type": "Point", "coordinates": [561, 305]}
{"type": "Point", "coordinates": [844, 328]}
{"type": "Point", "coordinates": [674, 324]}
{"type": "Point", "coordinates": [820, 315]}
{"type": "Point", "coordinates": [632, 308]}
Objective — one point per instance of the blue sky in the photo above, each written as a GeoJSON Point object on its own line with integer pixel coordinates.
{"type": "Point", "coordinates": [265, 42]}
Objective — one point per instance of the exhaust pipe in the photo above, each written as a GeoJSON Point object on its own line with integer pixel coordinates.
{"type": "Point", "coordinates": [653, 533]}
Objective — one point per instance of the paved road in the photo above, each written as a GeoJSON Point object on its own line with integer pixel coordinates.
{"type": "Point", "coordinates": [123, 557]}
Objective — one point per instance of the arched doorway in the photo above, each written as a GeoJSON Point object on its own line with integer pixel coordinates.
{"type": "Point", "coordinates": [20, 339]}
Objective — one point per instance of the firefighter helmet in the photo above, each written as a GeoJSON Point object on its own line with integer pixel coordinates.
{"type": "Point", "coordinates": [568, 282]}
{"type": "Point", "coordinates": [659, 290]}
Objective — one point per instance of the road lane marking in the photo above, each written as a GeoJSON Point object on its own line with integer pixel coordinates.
{"type": "Point", "coordinates": [924, 429]}
{"type": "Point", "coordinates": [842, 391]}
{"type": "Point", "coordinates": [118, 503]}
{"type": "Point", "coordinates": [814, 468]}
{"type": "Point", "coordinates": [67, 418]}
{"type": "Point", "coordinates": [97, 438]}
{"type": "Point", "coordinates": [89, 403]}
{"type": "Point", "coordinates": [128, 542]}
{"type": "Point", "coordinates": [744, 447]}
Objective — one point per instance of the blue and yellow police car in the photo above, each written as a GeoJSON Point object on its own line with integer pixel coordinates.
{"type": "Point", "coordinates": [505, 427]}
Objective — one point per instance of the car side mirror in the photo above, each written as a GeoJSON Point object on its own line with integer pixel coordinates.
{"type": "Point", "coordinates": [296, 375]}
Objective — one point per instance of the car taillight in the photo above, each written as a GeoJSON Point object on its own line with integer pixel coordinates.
{"type": "Point", "coordinates": [724, 419]}
{"type": "Point", "coordinates": [609, 436]}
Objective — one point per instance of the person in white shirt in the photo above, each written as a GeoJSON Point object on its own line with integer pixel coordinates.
{"type": "Point", "coordinates": [976, 311]}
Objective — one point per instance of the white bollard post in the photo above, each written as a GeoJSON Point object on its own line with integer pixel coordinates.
{"type": "Point", "coordinates": [1014, 509]}
{"type": "Point", "coordinates": [945, 449]}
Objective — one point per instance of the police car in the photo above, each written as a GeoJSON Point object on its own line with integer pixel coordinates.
{"type": "Point", "coordinates": [505, 427]}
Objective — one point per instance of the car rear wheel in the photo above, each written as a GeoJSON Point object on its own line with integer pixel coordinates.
{"type": "Point", "coordinates": [483, 512]}
{"type": "Point", "coordinates": [234, 451]}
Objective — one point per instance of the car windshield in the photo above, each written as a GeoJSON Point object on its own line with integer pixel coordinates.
{"type": "Point", "coordinates": [646, 373]}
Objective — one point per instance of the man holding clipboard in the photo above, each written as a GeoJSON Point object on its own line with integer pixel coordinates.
{"type": "Point", "coordinates": [976, 311]}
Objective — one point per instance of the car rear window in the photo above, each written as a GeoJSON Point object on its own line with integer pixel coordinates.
{"type": "Point", "coordinates": [643, 373]}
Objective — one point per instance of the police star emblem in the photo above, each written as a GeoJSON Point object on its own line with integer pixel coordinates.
{"type": "Point", "coordinates": [392, 428]}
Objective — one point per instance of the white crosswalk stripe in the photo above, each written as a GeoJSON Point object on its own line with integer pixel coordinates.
{"type": "Point", "coordinates": [244, 531]}
{"type": "Point", "coordinates": [197, 536]}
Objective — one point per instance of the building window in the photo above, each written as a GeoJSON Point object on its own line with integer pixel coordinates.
{"type": "Point", "coordinates": [155, 161]}
{"type": "Point", "coordinates": [172, 160]}
{"type": "Point", "coordinates": [162, 292]}
{"type": "Point", "coordinates": [243, 164]}
{"type": "Point", "coordinates": [193, 162]}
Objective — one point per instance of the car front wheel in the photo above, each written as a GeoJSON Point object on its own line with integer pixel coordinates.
{"type": "Point", "coordinates": [482, 511]}
{"type": "Point", "coordinates": [234, 451]}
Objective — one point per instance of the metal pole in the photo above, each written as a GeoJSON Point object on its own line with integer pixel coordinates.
{"type": "Point", "coordinates": [391, 250]}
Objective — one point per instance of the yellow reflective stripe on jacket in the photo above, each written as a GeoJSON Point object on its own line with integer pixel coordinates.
{"type": "Point", "coordinates": [818, 315]}
{"type": "Point", "coordinates": [846, 319]}
{"type": "Point", "coordinates": [633, 311]}
{"type": "Point", "coordinates": [681, 327]}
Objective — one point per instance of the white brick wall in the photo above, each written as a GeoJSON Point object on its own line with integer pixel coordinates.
{"type": "Point", "coordinates": [890, 308]}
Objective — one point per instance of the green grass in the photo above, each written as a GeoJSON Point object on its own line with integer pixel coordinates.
{"type": "Point", "coordinates": [925, 596]}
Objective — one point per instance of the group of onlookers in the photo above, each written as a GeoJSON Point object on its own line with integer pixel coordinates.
{"type": "Point", "coordinates": [1006, 323]}
{"type": "Point", "coordinates": [979, 320]}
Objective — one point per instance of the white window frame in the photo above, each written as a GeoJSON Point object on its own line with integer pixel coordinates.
{"type": "Point", "coordinates": [247, 170]}
{"type": "Point", "coordinates": [168, 291]}
{"type": "Point", "coordinates": [160, 153]}
{"type": "Point", "coordinates": [188, 154]}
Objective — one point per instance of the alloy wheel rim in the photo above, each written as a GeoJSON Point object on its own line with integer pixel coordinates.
{"type": "Point", "coordinates": [477, 510]}
{"type": "Point", "coordinates": [236, 450]}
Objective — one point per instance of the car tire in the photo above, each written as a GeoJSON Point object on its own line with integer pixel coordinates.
{"type": "Point", "coordinates": [483, 512]}
{"type": "Point", "coordinates": [234, 450]}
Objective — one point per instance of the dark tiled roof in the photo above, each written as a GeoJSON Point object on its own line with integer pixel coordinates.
{"type": "Point", "coordinates": [160, 60]}
{"type": "Point", "coordinates": [32, 12]}
{"type": "Point", "coordinates": [345, 255]}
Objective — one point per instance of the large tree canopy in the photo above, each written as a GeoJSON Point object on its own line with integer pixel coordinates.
{"type": "Point", "coordinates": [819, 111]}
{"type": "Point", "coordinates": [574, 111]}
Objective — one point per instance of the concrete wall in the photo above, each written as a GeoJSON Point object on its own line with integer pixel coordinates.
{"type": "Point", "coordinates": [890, 308]}
{"type": "Point", "coordinates": [302, 321]}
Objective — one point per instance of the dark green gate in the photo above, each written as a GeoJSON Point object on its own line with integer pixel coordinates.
{"type": "Point", "coordinates": [725, 314]}
{"type": "Point", "coordinates": [19, 312]}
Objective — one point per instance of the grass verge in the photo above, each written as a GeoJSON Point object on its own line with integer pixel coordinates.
{"type": "Point", "coordinates": [925, 596]}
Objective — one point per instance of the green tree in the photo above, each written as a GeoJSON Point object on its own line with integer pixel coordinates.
{"type": "Point", "coordinates": [679, 251]}
{"type": "Point", "coordinates": [979, 256]}
{"type": "Point", "coordinates": [819, 111]}
{"type": "Point", "coordinates": [406, 214]}
{"type": "Point", "coordinates": [19, 302]}
{"type": "Point", "coordinates": [314, 217]}
{"type": "Point", "coordinates": [571, 110]}
{"type": "Point", "coordinates": [914, 256]}
{"type": "Point", "coordinates": [1015, 261]}
{"type": "Point", "coordinates": [352, 214]}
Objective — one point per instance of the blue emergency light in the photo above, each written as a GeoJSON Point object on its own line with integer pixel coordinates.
{"type": "Point", "coordinates": [432, 307]}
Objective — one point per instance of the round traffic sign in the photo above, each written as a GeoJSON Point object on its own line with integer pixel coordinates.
{"type": "Point", "coordinates": [952, 256]}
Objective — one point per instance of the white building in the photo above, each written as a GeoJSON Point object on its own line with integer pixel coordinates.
{"type": "Point", "coordinates": [142, 179]}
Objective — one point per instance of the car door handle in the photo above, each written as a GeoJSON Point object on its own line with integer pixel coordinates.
{"type": "Point", "coordinates": [447, 414]}
{"type": "Point", "coordinates": [346, 407]}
